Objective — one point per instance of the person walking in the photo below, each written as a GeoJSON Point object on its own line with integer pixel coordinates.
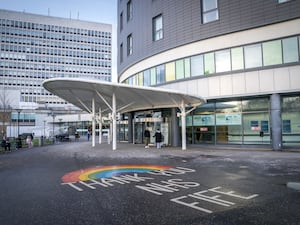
{"type": "Point", "coordinates": [147, 137]}
{"type": "Point", "coordinates": [158, 138]}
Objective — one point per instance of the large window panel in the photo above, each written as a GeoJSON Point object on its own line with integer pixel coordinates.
{"type": "Point", "coordinates": [197, 67]}
{"type": "Point", "coordinates": [223, 61]}
{"type": "Point", "coordinates": [160, 74]}
{"type": "Point", "coordinates": [237, 58]}
{"type": "Point", "coordinates": [290, 50]}
{"type": "Point", "coordinates": [187, 67]}
{"type": "Point", "coordinates": [147, 78]}
{"type": "Point", "coordinates": [209, 63]}
{"type": "Point", "coordinates": [272, 53]}
{"type": "Point", "coordinates": [253, 56]}
{"type": "Point", "coordinates": [153, 76]}
{"type": "Point", "coordinates": [140, 79]}
{"type": "Point", "coordinates": [170, 71]}
{"type": "Point", "coordinates": [179, 69]}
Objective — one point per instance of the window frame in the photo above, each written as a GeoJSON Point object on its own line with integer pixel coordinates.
{"type": "Point", "coordinates": [205, 12]}
{"type": "Point", "coordinates": [157, 34]}
{"type": "Point", "coordinates": [129, 45]}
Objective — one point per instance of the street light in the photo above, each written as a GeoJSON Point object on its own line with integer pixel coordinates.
{"type": "Point", "coordinates": [19, 111]}
{"type": "Point", "coordinates": [53, 117]}
{"type": "Point", "coordinates": [44, 127]}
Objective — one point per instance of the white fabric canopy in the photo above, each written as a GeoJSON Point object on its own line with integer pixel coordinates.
{"type": "Point", "coordinates": [92, 95]}
{"type": "Point", "coordinates": [80, 92]}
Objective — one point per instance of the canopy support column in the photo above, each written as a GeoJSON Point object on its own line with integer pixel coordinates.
{"type": "Point", "coordinates": [100, 126]}
{"type": "Point", "coordinates": [114, 122]}
{"type": "Point", "coordinates": [183, 125]}
{"type": "Point", "coordinates": [93, 123]}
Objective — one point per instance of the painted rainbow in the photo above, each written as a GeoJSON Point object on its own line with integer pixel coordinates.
{"type": "Point", "coordinates": [109, 171]}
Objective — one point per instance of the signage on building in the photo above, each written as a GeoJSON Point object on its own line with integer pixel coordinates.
{"type": "Point", "coordinates": [228, 119]}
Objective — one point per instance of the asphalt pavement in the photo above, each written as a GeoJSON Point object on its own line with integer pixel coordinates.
{"type": "Point", "coordinates": [75, 183]}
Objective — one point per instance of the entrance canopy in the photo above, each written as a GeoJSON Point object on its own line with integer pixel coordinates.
{"type": "Point", "coordinates": [91, 95]}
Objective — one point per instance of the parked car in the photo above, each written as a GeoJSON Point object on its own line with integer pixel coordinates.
{"type": "Point", "coordinates": [62, 137]}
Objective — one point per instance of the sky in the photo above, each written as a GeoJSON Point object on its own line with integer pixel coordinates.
{"type": "Point", "coordinates": [102, 11]}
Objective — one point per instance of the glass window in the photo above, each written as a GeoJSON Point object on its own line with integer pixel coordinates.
{"type": "Point", "coordinates": [160, 74]}
{"type": "Point", "coordinates": [253, 56]}
{"type": "Point", "coordinates": [291, 120]}
{"type": "Point", "coordinates": [147, 78]}
{"type": "Point", "coordinates": [170, 71]}
{"type": "Point", "coordinates": [272, 54]}
{"type": "Point", "coordinates": [187, 67]}
{"type": "Point", "coordinates": [209, 63]}
{"type": "Point", "coordinates": [129, 10]}
{"type": "Point", "coordinates": [129, 44]}
{"type": "Point", "coordinates": [209, 11]}
{"type": "Point", "coordinates": [237, 58]}
{"type": "Point", "coordinates": [283, 1]}
{"type": "Point", "coordinates": [253, 105]}
{"type": "Point", "coordinates": [140, 79]}
{"type": "Point", "coordinates": [152, 76]}
{"type": "Point", "coordinates": [223, 61]}
{"type": "Point", "coordinates": [121, 53]}
{"type": "Point", "coordinates": [179, 69]}
{"type": "Point", "coordinates": [157, 28]}
{"type": "Point", "coordinates": [290, 50]}
{"type": "Point", "coordinates": [121, 21]}
{"type": "Point", "coordinates": [197, 67]}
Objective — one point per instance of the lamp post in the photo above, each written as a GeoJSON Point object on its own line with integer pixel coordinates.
{"type": "Point", "coordinates": [18, 121]}
{"type": "Point", "coordinates": [53, 117]}
{"type": "Point", "coordinates": [44, 127]}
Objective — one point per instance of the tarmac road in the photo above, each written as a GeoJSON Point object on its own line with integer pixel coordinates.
{"type": "Point", "coordinates": [73, 183]}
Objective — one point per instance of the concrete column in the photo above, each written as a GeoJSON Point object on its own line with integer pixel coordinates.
{"type": "Point", "coordinates": [276, 123]}
{"type": "Point", "coordinates": [175, 128]}
{"type": "Point", "coordinates": [130, 127]}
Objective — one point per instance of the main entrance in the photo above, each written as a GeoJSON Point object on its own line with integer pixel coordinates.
{"type": "Point", "coordinates": [152, 121]}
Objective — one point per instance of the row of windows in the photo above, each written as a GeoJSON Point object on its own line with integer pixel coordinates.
{"type": "Point", "coordinates": [27, 53]}
{"type": "Point", "coordinates": [52, 36]}
{"type": "Point", "coordinates": [209, 13]}
{"type": "Point", "coordinates": [50, 67]}
{"type": "Point", "coordinates": [52, 28]}
{"type": "Point", "coordinates": [28, 82]}
{"type": "Point", "coordinates": [58, 60]}
{"type": "Point", "coordinates": [18, 78]}
{"type": "Point", "coordinates": [54, 44]}
{"type": "Point", "coordinates": [269, 53]}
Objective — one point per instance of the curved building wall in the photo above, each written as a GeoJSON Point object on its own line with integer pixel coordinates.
{"type": "Point", "coordinates": [248, 54]}
{"type": "Point", "coordinates": [183, 23]}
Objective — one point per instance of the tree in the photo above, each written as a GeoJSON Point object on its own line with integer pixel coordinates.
{"type": "Point", "coordinates": [5, 110]}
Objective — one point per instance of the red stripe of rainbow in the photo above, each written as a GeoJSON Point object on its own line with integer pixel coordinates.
{"type": "Point", "coordinates": [109, 171]}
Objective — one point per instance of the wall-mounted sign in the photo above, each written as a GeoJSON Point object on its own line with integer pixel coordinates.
{"type": "Point", "coordinates": [228, 119]}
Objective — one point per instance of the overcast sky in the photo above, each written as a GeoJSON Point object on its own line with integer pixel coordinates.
{"type": "Point", "coordinates": [102, 11]}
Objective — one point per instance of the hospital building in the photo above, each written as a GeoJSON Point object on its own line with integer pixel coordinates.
{"type": "Point", "coordinates": [242, 57]}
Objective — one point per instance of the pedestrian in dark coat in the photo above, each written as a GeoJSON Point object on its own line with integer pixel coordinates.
{"type": "Point", "coordinates": [158, 138]}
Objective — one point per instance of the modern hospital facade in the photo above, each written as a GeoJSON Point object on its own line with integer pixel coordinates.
{"type": "Point", "coordinates": [243, 57]}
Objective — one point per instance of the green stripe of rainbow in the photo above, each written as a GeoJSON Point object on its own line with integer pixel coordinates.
{"type": "Point", "coordinates": [109, 171]}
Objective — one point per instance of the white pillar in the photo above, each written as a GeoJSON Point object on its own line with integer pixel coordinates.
{"type": "Point", "coordinates": [100, 126]}
{"type": "Point", "coordinates": [183, 125]}
{"type": "Point", "coordinates": [114, 122]}
{"type": "Point", "coordinates": [93, 123]}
